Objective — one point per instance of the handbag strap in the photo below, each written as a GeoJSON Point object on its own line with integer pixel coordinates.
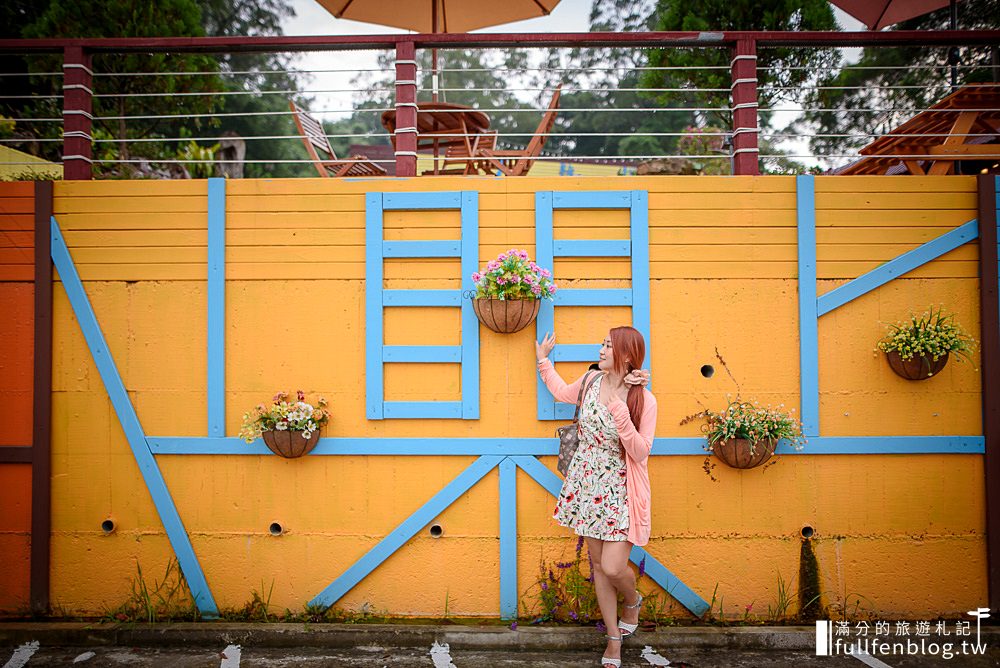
{"type": "Point", "coordinates": [583, 386]}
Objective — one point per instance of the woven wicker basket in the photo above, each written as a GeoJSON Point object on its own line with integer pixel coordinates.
{"type": "Point", "coordinates": [506, 316]}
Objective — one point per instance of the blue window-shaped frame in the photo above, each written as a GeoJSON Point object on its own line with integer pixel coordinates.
{"type": "Point", "coordinates": [377, 298]}
{"type": "Point", "coordinates": [547, 249]}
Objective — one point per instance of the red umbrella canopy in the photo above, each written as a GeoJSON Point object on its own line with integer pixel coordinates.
{"type": "Point", "coordinates": [430, 16]}
{"type": "Point", "coordinates": [877, 14]}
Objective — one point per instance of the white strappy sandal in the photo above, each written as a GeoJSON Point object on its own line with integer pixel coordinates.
{"type": "Point", "coordinates": [608, 661]}
{"type": "Point", "coordinates": [626, 628]}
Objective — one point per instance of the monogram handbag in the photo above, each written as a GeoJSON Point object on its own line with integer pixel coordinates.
{"type": "Point", "coordinates": [569, 435]}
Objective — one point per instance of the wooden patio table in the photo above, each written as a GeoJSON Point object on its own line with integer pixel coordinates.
{"type": "Point", "coordinates": [442, 124]}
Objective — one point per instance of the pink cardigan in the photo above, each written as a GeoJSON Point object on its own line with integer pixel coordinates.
{"type": "Point", "coordinates": [637, 445]}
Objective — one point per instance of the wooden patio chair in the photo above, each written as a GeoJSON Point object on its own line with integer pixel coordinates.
{"type": "Point", "coordinates": [518, 163]}
{"type": "Point", "coordinates": [466, 159]}
{"type": "Point", "coordinates": [315, 139]}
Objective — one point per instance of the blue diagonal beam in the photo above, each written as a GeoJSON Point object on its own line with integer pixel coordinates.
{"type": "Point", "coordinates": [405, 531]}
{"type": "Point", "coordinates": [130, 425]}
{"type": "Point", "coordinates": [896, 267]}
{"type": "Point", "coordinates": [657, 571]}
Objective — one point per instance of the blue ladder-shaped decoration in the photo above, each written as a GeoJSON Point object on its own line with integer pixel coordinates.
{"type": "Point", "coordinates": [377, 298]}
{"type": "Point", "coordinates": [547, 249]}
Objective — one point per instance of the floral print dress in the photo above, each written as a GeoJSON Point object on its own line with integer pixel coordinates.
{"type": "Point", "coordinates": [593, 501]}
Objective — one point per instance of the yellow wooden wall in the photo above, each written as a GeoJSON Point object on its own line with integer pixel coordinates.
{"type": "Point", "coordinates": [904, 532]}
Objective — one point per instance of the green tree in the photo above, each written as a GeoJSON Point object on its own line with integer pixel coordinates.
{"type": "Point", "coordinates": [895, 82]}
{"type": "Point", "coordinates": [257, 113]}
{"type": "Point", "coordinates": [606, 84]}
{"type": "Point", "coordinates": [170, 94]}
{"type": "Point", "coordinates": [781, 71]}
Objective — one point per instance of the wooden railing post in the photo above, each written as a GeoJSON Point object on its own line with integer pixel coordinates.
{"type": "Point", "coordinates": [77, 114]}
{"type": "Point", "coordinates": [406, 109]}
{"type": "Point", "coordinates": [989, 308]}
{"type": "Point", "coordinates": [744, 95]}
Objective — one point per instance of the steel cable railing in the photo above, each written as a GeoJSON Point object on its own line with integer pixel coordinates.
{"type": "Point", "coordinates": [665, 123]}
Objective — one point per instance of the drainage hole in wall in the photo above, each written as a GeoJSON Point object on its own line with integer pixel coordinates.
{"type": "Point", "coordinates": [276, 529]}
{"type": "Point", "coordinates": [708, 371]}
{"type": "Point", "coordinates": [436, 531]}
{"type": "Point", "coordinates": [107, 526]}
{"type": "Point", "coordinates": [807, 531]}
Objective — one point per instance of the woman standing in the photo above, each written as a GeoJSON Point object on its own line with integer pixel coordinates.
{"type": "Point", "coordinates": [606, 494]}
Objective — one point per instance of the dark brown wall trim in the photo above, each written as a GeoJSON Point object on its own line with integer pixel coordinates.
{"type": "Point", "coordinates": [990, 337]}
{"type": "Point", "coordinates": [41, 469]}
{"type": "Point", "coordinates": [15, 454]}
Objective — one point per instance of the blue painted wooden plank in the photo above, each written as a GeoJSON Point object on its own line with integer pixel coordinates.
{"type": "Point", "coordinates": [421, 297]}
{"type": "Point", "coordinates": [433, 354]}
{"type": "Point", "coordinates": [425, 200]}
{"type": "Point", "coordinates": [898, 266]}
{"type": "Point", "coordinates": [592, 248]}
{"type": "Point", "coordinates": [545, 322]}
{"type": "Point", "coordinates": [586, 297]}
{"type": "Point", "coordinates": [657, 571]}
{"type": "Point", "coordinates": [641, 307]}
{"type": "Point", "coordinates": [470, 324]}
{"type": "Point", "coordinates": [508, 539]}
{"type": "Point", "coordinates": [563, 411]}
{"type": "Point", "coordinates": [216, 386]}
{"type": "Point", "coordinates": [416, 410]}
{"type": "Point", "coordinates": [805, 189]}
{"type": "Point", "coordinates": [448, 248]}
{"type": "Point", "coordinates": [374, 389]}
{"type": "Point", "coordinates": [672, 584]}
{"type": "Point", "coordinates": [129, 421]}
{"type": "Point", "coordinates": [405, 531]}
{"type": "Point", "coordinates": [507, 446]}
{"type": "Point", "coordinates": [877, 445]}
{"type": "Point", "coordinates": [340, 446]}
{"type": "Point", "coordinates": [575, 352]}
{"type": "Point", "coordinates": [540, 473]}
{"type": "Point", "coordinates": [593, 199]}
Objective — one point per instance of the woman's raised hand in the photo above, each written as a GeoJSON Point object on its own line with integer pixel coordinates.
{"type": "Point", "coordinates": [640, 377]}
{"type": "Point", "coordinates": [543, 349]}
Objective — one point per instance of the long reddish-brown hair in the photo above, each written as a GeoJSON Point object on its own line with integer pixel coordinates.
{"type": "Point", "coordinates": [629, 351]}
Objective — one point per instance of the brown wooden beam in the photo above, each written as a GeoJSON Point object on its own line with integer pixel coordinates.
{"type": "Point", "coordinates": [989, 305]}
{"type": "Point", "coordinates": [41, 462]}
{"type": "Point", "coordinates": [987, 150]}
{"type": "Point", "coordinates": [15, 454]}
{"type": "Point", "coordinates": [499, 40]}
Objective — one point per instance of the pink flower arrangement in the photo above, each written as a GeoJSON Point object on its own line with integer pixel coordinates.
{"type": "Point", "coordinates": [513, 275]}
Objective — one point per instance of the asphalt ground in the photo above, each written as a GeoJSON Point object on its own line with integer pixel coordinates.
{"type": "Point", "coordinates": [26, 645]}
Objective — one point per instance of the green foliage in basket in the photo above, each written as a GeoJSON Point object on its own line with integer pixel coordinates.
{"type": "Point", "coordinates": [933, 334]}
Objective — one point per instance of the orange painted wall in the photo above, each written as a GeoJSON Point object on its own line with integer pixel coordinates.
{"type": "Point", "coordinates": [16, 360]}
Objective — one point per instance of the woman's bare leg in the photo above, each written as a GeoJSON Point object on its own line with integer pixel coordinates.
{"type": "Point", "coordinates": [614, 564]}
{"type": "Point", "coordinates": [607, 595]}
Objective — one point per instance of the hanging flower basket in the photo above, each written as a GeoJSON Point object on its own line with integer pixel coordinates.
{"type": "Point", "coordinates": [509, 291]}
{"type": "Point", "coordinates": [736, 452]}
{"type": "Point", "coordinates": [506, 316]}
{"type": "Point", "coordinates": [911, 346]}
{"type": "Point", "coordinates": [290, 429]}
{"type": "Point", "coordinates": [916, 368]}
{"type": "Point", "coordinates": [290, 444]}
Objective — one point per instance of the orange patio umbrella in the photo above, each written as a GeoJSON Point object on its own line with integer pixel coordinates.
{"type": "Point", "coordinates": [432, 16]}
{"type": "Point", "coordinates": [877, 14]}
